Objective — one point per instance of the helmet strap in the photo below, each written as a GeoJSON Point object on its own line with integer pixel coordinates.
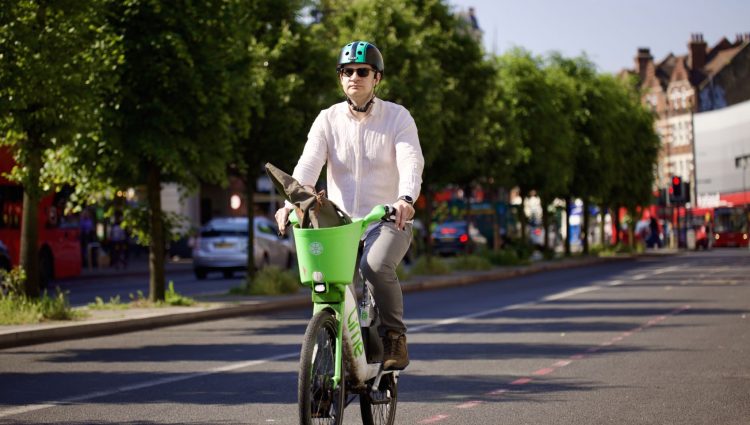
{"type": "Point", "coordinates": [360, 108]}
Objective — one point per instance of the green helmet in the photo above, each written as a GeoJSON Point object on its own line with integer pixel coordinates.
{"type": "Point", "coordinates": [361, 52]}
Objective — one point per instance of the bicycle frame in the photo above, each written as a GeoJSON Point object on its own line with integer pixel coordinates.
{"type": "Point", "coordinates": [331, 280]}
{"type": "Point", "coordinates": [350, 342]}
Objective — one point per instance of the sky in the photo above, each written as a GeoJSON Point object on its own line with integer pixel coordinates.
{"type": "Point", "coordinates": [608, 31]}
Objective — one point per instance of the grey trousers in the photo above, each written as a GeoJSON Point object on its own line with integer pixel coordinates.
{"type": "Point", "coordinates": [384, 248]}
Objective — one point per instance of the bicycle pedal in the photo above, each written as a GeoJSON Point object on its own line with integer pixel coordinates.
{"type": "Point", "coordinates": [384, 400]}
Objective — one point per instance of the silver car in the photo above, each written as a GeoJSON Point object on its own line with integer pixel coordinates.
{"type": "Point", "coordinates": [222, 246]}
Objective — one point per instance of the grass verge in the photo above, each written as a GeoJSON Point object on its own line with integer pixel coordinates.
{"type": "Point", "coordinates": [18, 309]}
{"type": "Point", "coordinates": [270, 280]}
{"type": "Point", "coordinates": [171, 299]}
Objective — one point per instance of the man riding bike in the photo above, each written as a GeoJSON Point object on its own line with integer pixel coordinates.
{"type": "Point", "coordinates": [371, 148]}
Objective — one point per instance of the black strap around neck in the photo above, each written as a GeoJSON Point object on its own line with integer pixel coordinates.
{"type": "Point", "coordinates": [363, 108]}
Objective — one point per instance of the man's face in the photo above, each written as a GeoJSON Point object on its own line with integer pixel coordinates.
{"type": "Point", "coordinates": [356, 86]}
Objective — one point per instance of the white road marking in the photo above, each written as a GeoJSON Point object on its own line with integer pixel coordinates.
{"type": "Point", "coordinates": [234, 366]}
{"type": "Point", "coordinates": [98, 394]}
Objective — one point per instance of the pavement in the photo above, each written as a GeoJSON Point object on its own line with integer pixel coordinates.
{"type": "Point", "coordinates": [222, 306]}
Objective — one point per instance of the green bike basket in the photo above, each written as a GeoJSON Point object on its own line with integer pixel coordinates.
{"type": "Point", "coordinates": [331, 251]}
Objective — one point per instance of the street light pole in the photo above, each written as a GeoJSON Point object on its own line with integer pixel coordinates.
{"type": "Point", "coordinates": [742, 162]}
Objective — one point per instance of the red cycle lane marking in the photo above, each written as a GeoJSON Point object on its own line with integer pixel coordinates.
{"type": "Point", "coordinates": [498, 393]}
{"type": "Point", "coordinates": [434, 419]}
{"type": "Point", "coordinates": [544, 371]}
{"type": "Point", "coordinates": [521, 381]}
{"type": "Point", "coordinates": [469, 404]}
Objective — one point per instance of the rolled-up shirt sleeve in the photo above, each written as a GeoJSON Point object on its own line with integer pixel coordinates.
{"type": "Point", "coordinates": [314, 155]}
{"type": "Point", "coordinates": [409, 158]}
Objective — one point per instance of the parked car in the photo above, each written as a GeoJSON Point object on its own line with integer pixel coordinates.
{"type": "Point", "coordinates": [457, 237]}
{"type": "Point", "coordinates": [222, 246]}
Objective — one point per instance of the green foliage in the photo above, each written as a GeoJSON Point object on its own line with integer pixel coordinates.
{"type": "Point", "coordinates": [270, 280]}
{"type": "Point", "coordinates": [12, 282]}
{"type": "Point", "coordinates": [432, 67]}
{"type": "Point", "coordinates": [17, 308]}
{"type": "Point", "coordinates": [101, 92]}
{"type": "Point", "coordinates": [114, 303]}
{"type": "Point", "coordinates": [136, 219]}
{"type": "Point", "coordinates": [522, 248]}
{"type": "Point", "coordinates": [471, 262]}
{"type": "Point", "coordinates": [549, 254]}
{"type": "Point", "coordinates": [180, 100]}
{"type": "Point", "coordinates": [535, 95]}
{"type": "Point", "coordinates": [429, 265]}
{"type": "Point", "coordinates": [173, 298]}
{"type": "Point", "coordinates": [53, 70]}
{"type": "Point", "coordinates": [506, 257]}
{"type": "Point", "coordinates": [138, 300]}
{"type": "Point", "coordinates": [287, 66]}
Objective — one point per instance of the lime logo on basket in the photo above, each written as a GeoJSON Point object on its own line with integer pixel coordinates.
{"type": "Point", "coordinates": [316, 248]}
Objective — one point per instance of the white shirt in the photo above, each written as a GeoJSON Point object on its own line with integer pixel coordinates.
{"type": "Point", "coordinates": [370, 162]}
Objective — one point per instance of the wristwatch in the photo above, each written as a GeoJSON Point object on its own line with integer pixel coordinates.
{"type": "Point", "coordinates": [407, 198]}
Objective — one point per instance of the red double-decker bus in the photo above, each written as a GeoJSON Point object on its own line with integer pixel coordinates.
{"type": "Point", "coordinates": [59, 242]}
{"type": "Point", "coordinates": [730, 226]}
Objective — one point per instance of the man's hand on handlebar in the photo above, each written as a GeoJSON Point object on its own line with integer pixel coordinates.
{"type": "Point", "coordinates": [404, 212]}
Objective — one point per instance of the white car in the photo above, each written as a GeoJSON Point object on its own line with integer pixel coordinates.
{"type": "Point", "coordinates": [222, 246]}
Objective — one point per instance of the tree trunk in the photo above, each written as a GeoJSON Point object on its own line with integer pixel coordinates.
{"type": "Point", "coordinates": [568, 209]}
{"type": "Point", "coordinates": [494, 200]}
{"type": "Point", "coordinates": [157, 249]}
{"type": "Point", "coordinates": [522, 220]}
{"type": "Point", "coordinates": [603, 226]}
{"type": "Point", "coordinates": [585, 226]}
{"type": "Point", "coordinates": [545, 223]}
{"type": "Point", "coordinates": [250, 205]}
{"type": "Point", "coordinates": [427, 221]}
{"type": "Point", "coordinates": [29, 256]}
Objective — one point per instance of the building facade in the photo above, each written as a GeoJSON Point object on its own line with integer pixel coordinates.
{"type": "Point", "coordinates": [677, 87]}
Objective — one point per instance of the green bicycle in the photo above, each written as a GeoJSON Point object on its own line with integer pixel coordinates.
{"type": "Point", "coordinates": [341, 356]}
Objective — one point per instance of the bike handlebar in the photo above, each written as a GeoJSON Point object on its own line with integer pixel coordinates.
{"type": "Point", "coordinates": [379, 212]}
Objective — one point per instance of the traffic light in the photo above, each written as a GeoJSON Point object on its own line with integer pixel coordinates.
{"type": "Point", "coordinates": [677, 187]}
{"type": "Point", "coordinates": [677, 191]}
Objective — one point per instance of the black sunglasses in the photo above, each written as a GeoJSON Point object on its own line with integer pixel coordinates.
{"type": "Point", "coordinates": [361, 72]}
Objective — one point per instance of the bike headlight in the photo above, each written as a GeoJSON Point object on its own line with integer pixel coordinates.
{"type": "Point", "coordinates": [319, 288]}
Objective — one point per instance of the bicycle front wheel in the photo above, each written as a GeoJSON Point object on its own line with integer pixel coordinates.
{"type": "Point", "coordinates": [379, 407]}
{"type": "Point", "coordinates": [319, 402]}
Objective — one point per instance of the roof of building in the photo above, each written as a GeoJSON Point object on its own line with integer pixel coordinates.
{"type": "Point", "coordinates": [677, 68]}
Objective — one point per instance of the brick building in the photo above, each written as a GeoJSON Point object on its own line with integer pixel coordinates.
{"type": "Point", "coordinates": [676, 87]}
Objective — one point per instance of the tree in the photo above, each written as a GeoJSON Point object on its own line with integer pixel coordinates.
{"type": "Point", "coordinates": [537, 100]}
{"type": "Point", "coordinates": [594, 126]}
{"type": "Point", "coordinates": [636, 140]}
{"type": "Point", "coordinates": [179, 104]}
{"type": "Point", "coordinates": [432, 67]}
{"type": "Point", "coordinates": [297, 76]}
{"type": "Point", "coordinates": [52, 72]}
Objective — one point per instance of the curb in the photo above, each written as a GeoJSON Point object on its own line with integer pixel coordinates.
{"type": "Point", "coordinates": [68, 331]}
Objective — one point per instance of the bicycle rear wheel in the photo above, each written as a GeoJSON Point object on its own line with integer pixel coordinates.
{"type": "Point", "coordinates": [319, 402]}
{"type": "Point", "coordinates": [379, 407]}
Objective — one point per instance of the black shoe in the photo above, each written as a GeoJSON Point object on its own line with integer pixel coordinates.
{"type": "Point", "coordinates": [395, 353]}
